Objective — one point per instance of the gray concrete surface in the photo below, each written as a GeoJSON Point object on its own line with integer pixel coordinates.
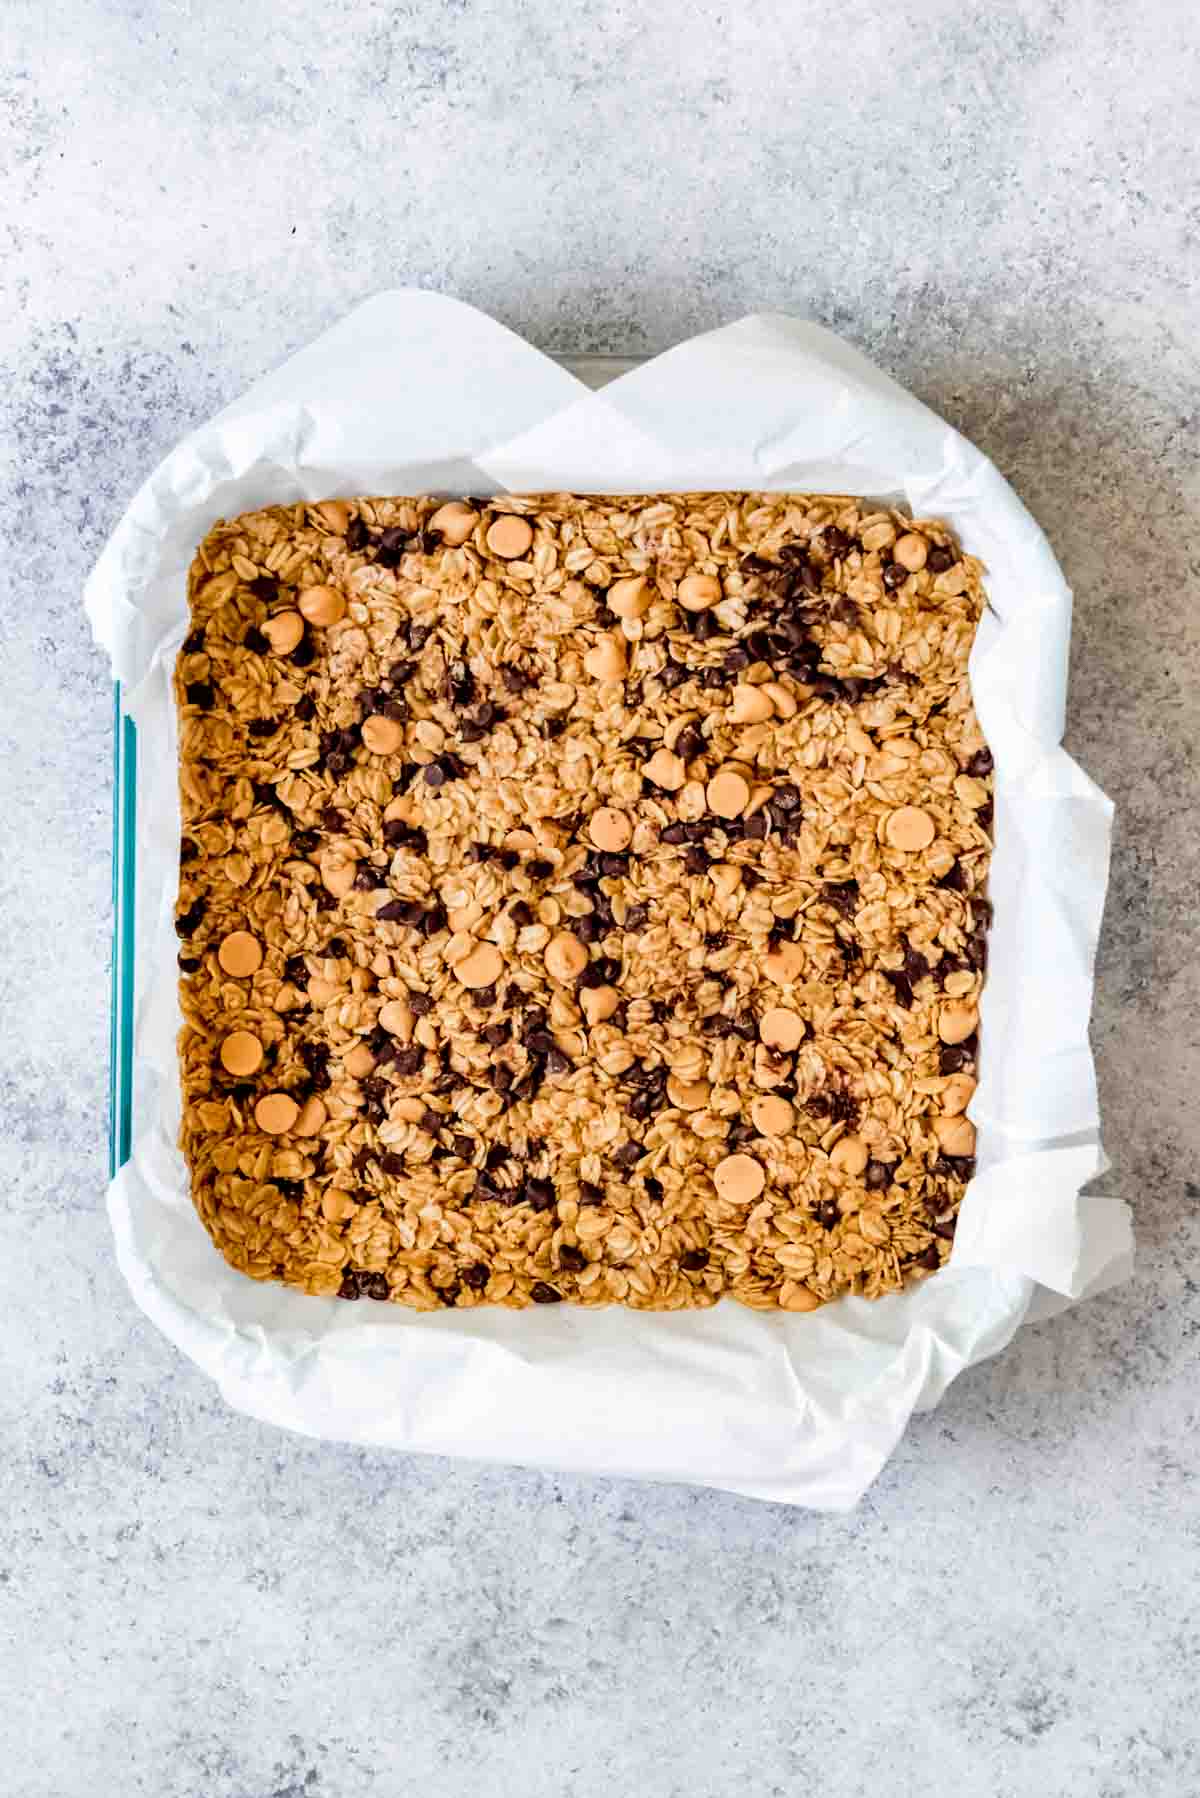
{"type": "Point", "coordinates": [999, 203]}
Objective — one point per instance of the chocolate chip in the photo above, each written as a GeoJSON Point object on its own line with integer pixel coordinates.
{"type": "Point", "coordinates": [539, 1193]}
{"type": "Point", "coordinates": [304, 654]}
{"type": "Point", "coordinates": [517, 680]}
{"type": "Point", "coordinates": [396, 911]}
{"type": "Point", "coordinates": [980, 764]}
{"type": "Point", "coordinates": [265, 588]}
{"type": "Point", "coordinates": [695, 859]}
{"type": "Point", "coordinates": [590, 1193]}
{"type": "Point", "coordinates": [521, 914]}
{"type": "Point", "coordinates": [736, 659]}
{"type": "Point", "coordinates": [674, 674]}
{"type": "Point", "coordinates": [200, 693]}
{"type": "Point", "coordinates": [476, 1277]}
{"type": "Point", "coordinates": [915, 964]}
{"type": "Point", "coordinates": [335, 946]}
{"type": "Point", "coordinates": [464, 1146]}
{"type": "Point", "coordinates": [375, 1286]}
{"type": "Point", "coordinates": [628, 1155]}
{"type": "Point", "coordinates": [900, 984]}
{"type": "Point", "coordinates": [689, 743]}
{"type": "Point", "coordinates": [191, 919]}
{"type": "Point", "coordinates": [827, 1214]}
{"type": "Point", "coordinates": [554, 727]}
{"type": "Point", "coordinates": [939, 560]}
{"type": "Point", "coordinates": [954, 881]}
{"type": "Point", "coordinates": [835, 541]}
{"type": "Point", "coordinates": [501, 1078]}
{"type": "Point", "coordinates": [692, 1261]}
{"type": "Point", "coordinates": [393, 1164]}
{"type": "Point", "coordinates": [305, 708]}
{"type": "Point", "coordinates": [541, 1294]}
{"type": "Point", "coordinates": [701, 625]}
{"type": "Point", "coordinates": [408, 1061]}
{"type": "Point", "coordinates": [357, 535]}
{"type": "Point", "coordinates": [894, 575]}
{"type": "Point", "coordinates": [495, 1035]}
{"type": "Point", "coordinates": [754, 829]}
{"type": "Point", "coordinates": [193, 644]}
{"type": "Point", "coordinates": [539, 869]}
{"type": "Point", "coordinates": [189, 963]}
{"type": "Point", "coordinates": [435, 775]}
{"type": "Point", "coordinates": [878, 1176]}
{"type": "Point", "coordinates": [349, 1286]}
{"type": "Point", "coordinates": [390, 545]}
{"type": "Point", "coordinates": [557, 1062]}
{"type": "Point", "coordinates": [572, 1259]}
{"type": "Point", "coordinates": [420, 1004]}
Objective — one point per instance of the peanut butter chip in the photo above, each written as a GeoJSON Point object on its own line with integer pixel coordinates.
{"type": "Point", "coordinates": [565, 956]}
{"type": "Point", "coordinates": [598, 1003]}
{"type": "Point", "coordinates": [382, 736]}
{"type": "Point", "coordinates": [851, 1154]}
{"type": "Point", "coordinates": [312, 1117]}
{"type": "Point", "coordinates": [359, 1062]}
{"type": "Point", "coordinates": [240, 954]}
{"type": "Point", "coordinates": [957, 1094]}
{"type": "Point", "coordinates": [910, 551]}
{"type": "Point", "coordinates": [276, 1113]}
{"type": "Point", "coordinates": [772, 1116]}
{"type": "Point", "coordinates": [751, 705]}
{"type": "Point", "coordinates": [396, 1018]}
{"type": "Point", "coordinates": [631, 597]}
{"type": "Point", "coordinates": [482, 967]}
{"type": "Point", "coordinates": [784, 964]}
{"type": "Point", "coordinates": [727, 793]}
{"type": "Point", "coordinates": [699, 591]}
{"type": "Point", "coordinates": [957, 1022]}
{"type": "Point", "coordinates": [910, 829]}
{"type": "Point", "coordinates": [241, 1053]}
{"type": "Point", "coordinates": [688, 1095]}
{"type": "Point", "coordinates": [455, 522]}
{"type": "Point", "coordinates": [322, 605]}
{"type": "Point", "coordinates": [283, 632]}
{"type": "Point", "coordinates": [610, 829]}
{"type": "Point", "coordinates": [509, 536]}
{"type": "Point", "coordinates": [666, 770]}
{"type": "Point", "coordinates": [606, 659]}
{"type": "Point", "coordinates": [956, 1136]}
{"type": "Point", "coordinates": [781, 1028]}
{"type": "Point", "coordinates": [739, 1178]}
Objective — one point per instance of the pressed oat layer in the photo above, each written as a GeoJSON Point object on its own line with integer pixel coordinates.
{"type": "Point", "coordinates": [581, 898]}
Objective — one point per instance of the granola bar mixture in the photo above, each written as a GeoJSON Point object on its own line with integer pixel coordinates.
{"type": "Point", "coordinates": [581, 898]}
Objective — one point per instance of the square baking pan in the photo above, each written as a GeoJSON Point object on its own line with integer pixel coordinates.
{"type": "Point", "coordinates": [594, 371]}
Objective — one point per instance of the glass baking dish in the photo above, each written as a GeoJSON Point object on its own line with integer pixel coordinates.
{"type": "Point", "coordinates": [594, 371]}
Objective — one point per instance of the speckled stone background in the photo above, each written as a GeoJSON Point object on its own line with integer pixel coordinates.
{"type": "Point", "coordinates": [1001, 204]}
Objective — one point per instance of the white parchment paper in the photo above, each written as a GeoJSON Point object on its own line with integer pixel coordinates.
{"type": "Point", "coordinates": [414, 392]}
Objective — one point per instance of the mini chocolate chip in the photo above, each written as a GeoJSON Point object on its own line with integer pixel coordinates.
{"type": "Point", "coordinates": [265, 588]}
{"type": "Point", "coordinates": [189, 849]}
{"type": "Point", "coordinates": [520, 913]}
{"type": "Point", "coordinates": [392, 1163]}
{"type": "Point", "coordinates": [501, 1078]}
{"type": "Point", "coordinates": [878, 1176]}
{"type": "Point", "coordinates": [786, 797]}
{"type": "Point", "coordinates": [390, 545]}
{"type": "Point", "coordinates": [894, 575]}
{"type": "Point", "coordinates": [900, 984]}
{"type": "Point", "coordinates": [476, 1277]}
{"type": "Point", "coordinates": [954, 880]}
{"type": "Point", "coordinates": [192, 918]}
{"type": "Point", "coordinates": [554, 727]}
{"type": "Point", "coordinates": [915, 964]}
{"type": "Point", "coordinates": [396, 911]}
{"type": "Point", "coordinates": [689, 743]}
{"type": "Point", "coordinates": [835, 541]}
{"type": "Point", "coordinates": [692, 1261]}
{"type": "Point", "coordinates": [539, 1193]}
{"type": "Point", "coordinates": [695, 859]}
{"type": "Point", "coordinates": [304, 654]}
{"type": "Point", "coordinates": [408, 1061]}
{"type": "Point", "coordinates": [539, 869]}
{"type": "Point", "coordinates": [572, 1259]}
{"type": "Point", "coordinates": [193, 644]}
{"type": "Point", "coordinates": [590, 1193]}
{"type": "Point", "coordinates": [349, 1286]}
{"type": "Point", "coordinates": [674, 674]}
{"type": "Point", "coordinates": [483, 998]}
{"type": "Point", "coordinates": [189, 963]}
{"type": "Point", "coordinates": [495, 1034]}
{"type": "Point", "coordinates": [628, 1155]}
{"type": "Point", "coordinates": [305, 708]}
{"type": "Point", "coordinates": [701, 625]}
{"type": "Point", "coordinates": [420, 1004]}
{"type": "Point", "coordinates": [827, 1214]}
{"type": "Point", "coordinates": [980, 764]}
{"type": "Point", "coordinates": [508, 859]}
{"type": "Point", "coordinates": [557, 1062]}
{"type": "Point", "coordinates": [375, 1286]}
{"type": "Point", "coordinates": [255, 642]}
{"type": "Point", "coordinates": [200, 693]}
{"type": "Point", "coordinates": [541, 1294]}
{"type": "Point", "coordinates": [754, 829]}
{"type": "Point", "coordinates": [939, 560]}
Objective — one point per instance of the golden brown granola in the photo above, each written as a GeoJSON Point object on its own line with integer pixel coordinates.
{"type": "Point", "coordinates": [581, 897]}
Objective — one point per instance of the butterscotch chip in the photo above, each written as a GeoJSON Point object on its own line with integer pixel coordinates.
{"type": "Point", "coordinates": [666, 770]}
{"type": "Point", "coordinates": [780, 1028]}
{"type": "Point", "coordinates": [727, 793]}
{"type": "Point", "coordinates": [956, 1136]}
{"type": "Point", "coordinates": [910, 828]}
{"type": "Point", "coordinates": [359, 1061]}
{"type": "Point", "coordinates": [276, 1113]}
{"type": "Point", "coordinates": [784, 963]}
{"type": "Point", "coordinates": [322, 606]}
{"type": "Point", "coordinates": [526, 988]}
{"type": "Point", "coordinates": [565, 956]}
{"type": "Point", "coordinates": [509, 536]}
{"type": "Point", "coordinates": [483, 966]}
{"type": "Point", "coordinates": [610, 829]}
{"type": "Point", "coordinates": [850, 1154]}
{"type": "Point", "coordinates": [382, 736]}
{"type": "Point", "coordinates": [699, 591]}
{"type": "Point", "coordinates": [312, 1119]}
{"type": "Point", "coordinates": [241, 1053]}
{"type": "Point", "coordinates": [771, 1115]}
{"type": "Point", "coordinates": [910, 551]}
{"type": "Point", "coordinates": [739, 1179]}
{"type": "Point", "coordinates": [240, 954]}
{"type": "Point", "coordinates": [283, 632]}
{"type": "Point", "coordinates": [957, 1021]}
{"type": "Point", "coordinates": [455, 522]}
{"type": "Point", "coordinates": [630, 597]}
